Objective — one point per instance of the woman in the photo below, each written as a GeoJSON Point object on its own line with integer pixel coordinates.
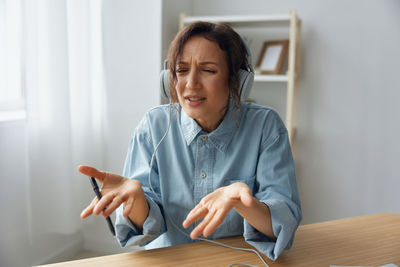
{"type": "Point", "coordinates": [225, 167]}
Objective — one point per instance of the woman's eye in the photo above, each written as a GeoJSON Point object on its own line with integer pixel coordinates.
{"type": "Point", "coordinates": [181, 70]}
{"type": "Point", "coordinates": [210, 71]}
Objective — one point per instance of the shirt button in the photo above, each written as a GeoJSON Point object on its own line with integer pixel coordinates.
{"type": "Point", "coordinates": [204, 137]}
{"type": "Point", "coordinates": [203, 175]}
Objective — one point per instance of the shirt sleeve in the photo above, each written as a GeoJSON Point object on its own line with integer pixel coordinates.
{"type": "Point", "coordinates": [276, 186]}
{"type": "Point", "coordinates": [137, 166]}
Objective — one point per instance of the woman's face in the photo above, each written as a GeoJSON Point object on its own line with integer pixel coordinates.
{"type": "Point", "coordinates": [202, 82]}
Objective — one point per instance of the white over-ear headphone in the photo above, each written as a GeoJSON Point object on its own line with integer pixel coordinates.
{"type": "Point", "coordinates": [246, 78]}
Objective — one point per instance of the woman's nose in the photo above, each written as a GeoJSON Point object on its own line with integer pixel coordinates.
{"type": "Point", "coordinates": [193, 80]}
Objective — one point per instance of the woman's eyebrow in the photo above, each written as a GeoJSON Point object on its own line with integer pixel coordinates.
{"type": "Point", "coordinates": [208, 63]}
{"type": "Point", "coordinates": [201, 63]}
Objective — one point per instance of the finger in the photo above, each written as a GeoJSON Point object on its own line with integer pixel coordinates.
{"type": "Point", "coordinates": [103, 203]}
{"type": "Point", "coordinates": [194, 215]}
{"type": "Point", "coordinates": [116, 202]}
{"type": "Point", "coordinates": [199, 228]}
{"type": "Point", "coordinates": [128, 207]}
{"type": "Point", "coordinates": [92, 172]}
{"type": "Point", "coordinates": [216, 221]}
{"type": "Point", "coordinates": [89, 209]}
{"type": "Point", "coordinates": [246, 197]}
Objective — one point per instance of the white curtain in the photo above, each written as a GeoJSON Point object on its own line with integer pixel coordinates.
{"type": "Point", "coordinates": [65, 110]}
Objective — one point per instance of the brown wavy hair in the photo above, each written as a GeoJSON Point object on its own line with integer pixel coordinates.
{"type": "Point", "coordinates": [228, 41]}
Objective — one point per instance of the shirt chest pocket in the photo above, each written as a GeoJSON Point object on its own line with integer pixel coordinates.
{"type": "Point", "coordinates": [247, 180]}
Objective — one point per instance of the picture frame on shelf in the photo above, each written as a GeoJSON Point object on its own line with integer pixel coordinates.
{"type": "Point", "coordinates": [271, 56]}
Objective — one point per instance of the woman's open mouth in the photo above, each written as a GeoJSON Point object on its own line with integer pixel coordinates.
{"type": "Point", "coordinates": [195, 101]}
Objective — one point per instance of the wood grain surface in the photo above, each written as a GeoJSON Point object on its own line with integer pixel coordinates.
{"type": "Point", "coordinates": [370, 240]}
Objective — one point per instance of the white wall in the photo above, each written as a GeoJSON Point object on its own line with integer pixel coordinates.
{"type": "Point", "coordinates": [171, 10]}
{"type": "Point", "coordinates": [132, 53]}
{"type": "Point", "coordinates": [348, 127]}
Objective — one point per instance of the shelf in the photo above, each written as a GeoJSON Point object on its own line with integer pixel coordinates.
{"type": "Point", "coordinates": [239, 19]}
{"type": "Point", "coordinates": [270, 78]}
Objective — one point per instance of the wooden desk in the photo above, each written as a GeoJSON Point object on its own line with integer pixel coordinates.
{"type": "Point", "coordinates": [370, 240]}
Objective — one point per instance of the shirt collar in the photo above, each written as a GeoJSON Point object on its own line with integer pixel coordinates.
{"type": "Point", "coordinates": [220, 137]}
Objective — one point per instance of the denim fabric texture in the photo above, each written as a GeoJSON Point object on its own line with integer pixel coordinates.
{"type": "Point", "coordinates": [250, 145]}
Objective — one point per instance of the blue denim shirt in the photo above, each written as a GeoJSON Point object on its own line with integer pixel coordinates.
{"type": "Point", "coordinates": [250, 145]}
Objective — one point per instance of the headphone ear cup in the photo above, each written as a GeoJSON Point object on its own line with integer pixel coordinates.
{"type": "Point", "coordinates": [246, 79]}
{"type": "Point", "coordinates": [164, 83]}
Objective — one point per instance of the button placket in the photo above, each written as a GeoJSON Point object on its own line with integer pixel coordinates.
{"type": "Point", "coordinates": [203, 174]}
{"type": "Point", "coordinates": [203, 182]}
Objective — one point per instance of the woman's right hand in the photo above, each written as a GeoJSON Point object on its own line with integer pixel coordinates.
{"type": "Point", "coordinates": [117, 190]}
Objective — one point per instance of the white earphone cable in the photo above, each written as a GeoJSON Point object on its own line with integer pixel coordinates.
{"type": "Point", "coordinates": [173, 223]}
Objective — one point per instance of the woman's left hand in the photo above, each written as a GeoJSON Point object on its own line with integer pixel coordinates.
{"type": "Point", "coordinates": [215, 206]}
